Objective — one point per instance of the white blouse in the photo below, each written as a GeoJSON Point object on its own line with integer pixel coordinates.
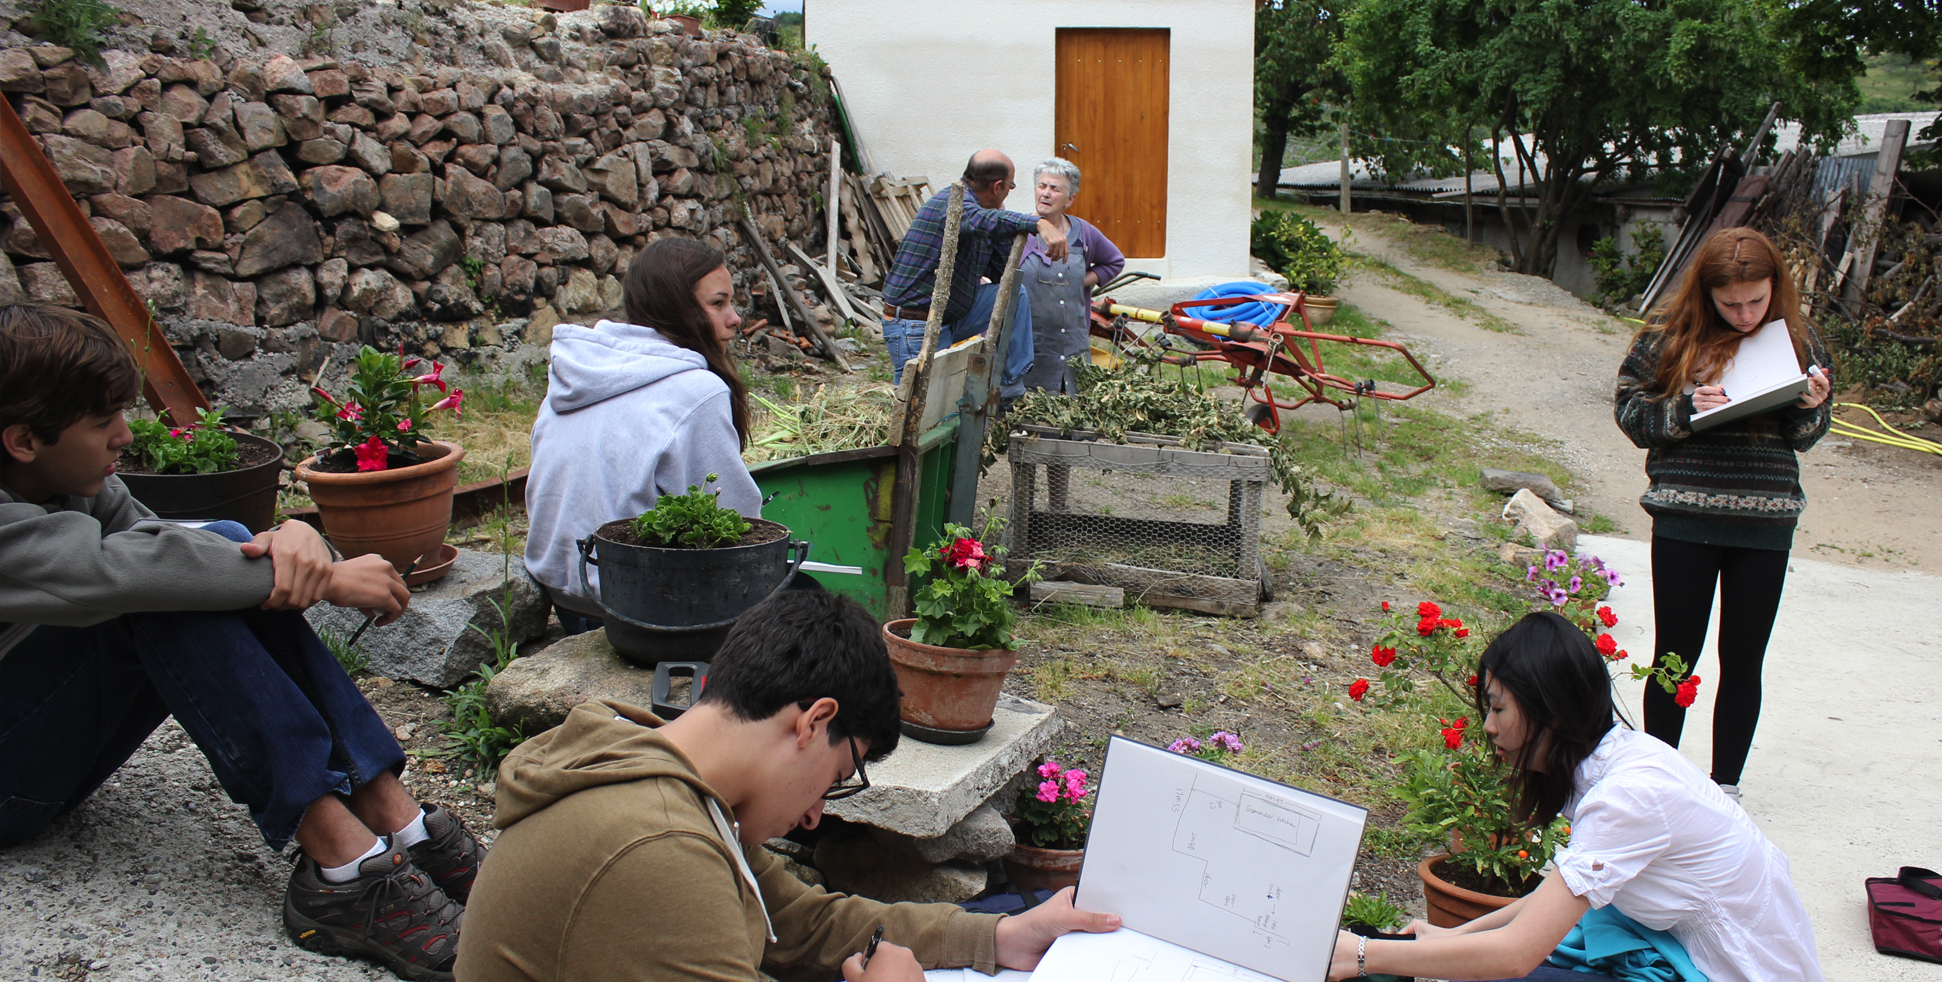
{"type": "Point", "coordinates": [1655, 837]}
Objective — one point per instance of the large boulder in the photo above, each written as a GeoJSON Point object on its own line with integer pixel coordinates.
{"type": "Point", "coordinates": [435, 641]}
{"type": "Point", "coordinates": [536, 692]}
{"type": "Point", "coordinates": [285, 238]}
{"type": "Point", "coordinates": [1547, 528]}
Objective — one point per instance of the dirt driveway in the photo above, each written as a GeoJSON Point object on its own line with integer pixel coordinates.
{"type": "Point", "coordinates": [1868, 505]}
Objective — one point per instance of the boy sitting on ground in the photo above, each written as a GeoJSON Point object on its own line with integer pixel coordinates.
{"type": "Point", "coordinates": [633, 847]}
{"type": "Point", "coordinates": [111, 621]}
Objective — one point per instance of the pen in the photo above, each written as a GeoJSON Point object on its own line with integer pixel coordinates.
{"type": "Point", "coordinates": [870, 950]}
{"type": "Point", "coordinates": [373, 617]}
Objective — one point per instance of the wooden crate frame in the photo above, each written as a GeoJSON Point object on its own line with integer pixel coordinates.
{"type": "Point", "coordinates": [1243, 466]}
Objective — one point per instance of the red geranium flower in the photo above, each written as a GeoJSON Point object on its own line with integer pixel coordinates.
{"type": "Point", "coordinates": [373, 455]}
{"type": "Point", "coordinates": [1385, 606]}
{"type": "Point", "coordinates": [1606, 617]}
{"type": "Point", "coordinates": [1471, 681]}
{"type": "Point", "coordinates": [1382, 656]}
{"type": "Point", "coordinates": [1427, 609]}
{"type": "Point", "coordinates": [965, 554]}
{"type": "Point", "coordinates": [1452, 737]}
{"type": "Point", "coordinates": [1427, 626]}
{"type": "Point", "coordinates": [1462, 632]}
{"type": "Point", "coordinates": [1607, 646]}
{"type": "Point", "coordinates": [1359, 689]}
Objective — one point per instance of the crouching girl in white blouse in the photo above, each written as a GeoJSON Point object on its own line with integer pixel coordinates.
{"type": "Point", "coordinates": [1650, 835]}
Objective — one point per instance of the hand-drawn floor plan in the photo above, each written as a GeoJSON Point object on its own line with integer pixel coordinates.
{"type": "Point", "coordinates": [1235, 880]}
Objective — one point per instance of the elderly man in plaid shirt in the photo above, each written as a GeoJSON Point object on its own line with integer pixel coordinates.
{"type": "Point", "coordinates": [984, 245]}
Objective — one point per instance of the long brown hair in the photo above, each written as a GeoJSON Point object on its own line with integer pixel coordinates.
{"type": "Point", "coordinates": [660, 293]}
{"type": "Point", "coordinates": [1696, 343]}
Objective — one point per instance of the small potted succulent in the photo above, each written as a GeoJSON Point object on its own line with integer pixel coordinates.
{"type": "Point", "coordinates": [381, 485]}
{"type": "Point", "coordinates": [1050, 820]}
{"type": "Point", "coordinates": [202, 471]}
{"type": "Point", "coordinates": [951, 659]}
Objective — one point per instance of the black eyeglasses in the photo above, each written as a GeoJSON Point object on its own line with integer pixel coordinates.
{"type": "Point", "coordinates": [842, 789]}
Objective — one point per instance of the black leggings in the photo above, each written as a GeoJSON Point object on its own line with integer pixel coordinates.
{"type": "Point", "coordinates": [1683, 575]}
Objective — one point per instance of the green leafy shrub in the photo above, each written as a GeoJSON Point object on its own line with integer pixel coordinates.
{"type": "Point", "coordinates": [733, 15]}
{"type": "Point", "coordinates": [695, 520]}
{"type": "Point", "coordinates": [1296, 248]}
{"type": "Point", "coordinates": [966, 603]}
{"type": "Point", "coordinates": [381, 414]}
{"type": "Point", "coordinates": [1619, 276]}
{"type": "Point", "coordinates": [77, 24]}
{"type": "Point", "coordinates": [202, 447]}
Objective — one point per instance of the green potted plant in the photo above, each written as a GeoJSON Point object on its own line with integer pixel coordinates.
{"type": "Point", "coordinates": [1050, 819]}
{"type": "Point", "coordinates": [381, 484]}
{"type": "Point", "coordinates": [951, 658]}
{"type": "Point", "coordinates": [202, 471]}
{"type": "Point", "coordinates": [1372, 916]}
{"type": "Point", "coordinates": [1299, 250]}
{"type": "Point", "coordinates": [674, 578]}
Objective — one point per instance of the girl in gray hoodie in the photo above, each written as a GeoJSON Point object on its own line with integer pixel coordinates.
{"type": "Point", "coordinates": [637, 410]}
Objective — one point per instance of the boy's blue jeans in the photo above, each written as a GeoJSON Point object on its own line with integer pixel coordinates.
{"type": "Point", "coordinates": [279, 721]}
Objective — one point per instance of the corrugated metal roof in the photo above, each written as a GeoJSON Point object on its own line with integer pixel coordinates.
{"type": "Point", "coordinates": [1866, 138]}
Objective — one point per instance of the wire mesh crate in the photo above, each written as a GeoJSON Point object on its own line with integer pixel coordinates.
{"type": "Point", "coordinates": [1172, 527]}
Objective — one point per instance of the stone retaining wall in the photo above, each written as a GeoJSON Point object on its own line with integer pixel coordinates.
{"type": "Point", "coordinates": [278, 212]}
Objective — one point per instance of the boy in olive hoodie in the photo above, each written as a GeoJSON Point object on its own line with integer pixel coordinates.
{"type": "Point", "coordinates": [112, 621]}
{"type": "Point", "coordinates": [633, 847]}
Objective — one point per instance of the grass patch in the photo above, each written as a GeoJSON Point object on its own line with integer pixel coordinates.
{"type": "Point", "coordinates": [496, 429]}
{"type": "Point", "coordinates": [350, 657]}
{"type": "Point", "coordinates": [1431, 244]}
{"type": "Point", "coordinates": [1430, 293]}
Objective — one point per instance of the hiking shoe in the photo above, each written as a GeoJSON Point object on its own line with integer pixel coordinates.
{"type": "Point", "coordinates": [1731, 791]}
{"type": "Point", "coordinates": [451, 857]}
{"type": "Point", "coordinates": [392, 914]}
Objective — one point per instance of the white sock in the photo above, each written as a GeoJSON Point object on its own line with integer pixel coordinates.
{"type": "Point", "coordinates": [412, 834]}
{"type": "Point", "coordinates": [348, 872]}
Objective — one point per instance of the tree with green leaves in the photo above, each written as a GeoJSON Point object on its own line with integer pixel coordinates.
{"type": "Point", "coordinates": [1834, 34]}
{"type": "Point", "coordinates": [1294, 75]}
{"type": "Point", "coordinates": [1585, 90]}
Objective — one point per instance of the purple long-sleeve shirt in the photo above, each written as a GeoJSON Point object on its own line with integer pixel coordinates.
{"type": "Point", "coordinates": [1103, 259]}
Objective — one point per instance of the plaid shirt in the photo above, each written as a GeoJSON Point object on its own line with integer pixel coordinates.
{"type": "Point", "coordinates": [984, 243]}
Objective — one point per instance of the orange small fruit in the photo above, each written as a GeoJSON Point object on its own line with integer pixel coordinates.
{"type": "Point", "coordinates": [1521, 854]}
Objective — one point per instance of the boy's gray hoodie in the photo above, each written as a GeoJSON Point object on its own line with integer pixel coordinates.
{"type": "Point", "coordinates": [629, 416]}
{"type": "Point", "coordinates": [79, 561]}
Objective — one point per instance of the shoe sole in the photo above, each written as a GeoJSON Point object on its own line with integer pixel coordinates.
{"type": "Point", "coordinates": [327, 940]}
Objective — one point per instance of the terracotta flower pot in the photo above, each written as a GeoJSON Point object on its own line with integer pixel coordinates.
{"type": "Point", "coordinates": [1033, 868]}
{"type": "Point", "coordinates": [690, 25]}
{"type": "Point", "coordinates": [1321, 310]}
{"type": "Point", "coordinates": [1451, 905]}
{"type": "Point", "coordinates": [401, 514]}
{"type": "Point", "coordinates": [948, 692]}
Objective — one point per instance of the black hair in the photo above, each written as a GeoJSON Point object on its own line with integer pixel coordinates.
{"type": "Point", "coordinates": [659, 292]}
{"type": "Point", "coordinates": [1550, 667]}
{"type": "Point", "coordinates": [58, 367]}
{"type": "Point", "coordinates": [980, 174]}
{"type": "Point", "coordinates": [799, 646]}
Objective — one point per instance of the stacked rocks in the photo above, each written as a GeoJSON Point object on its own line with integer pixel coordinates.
{"type": "Point", "coordinates": [278, 212]}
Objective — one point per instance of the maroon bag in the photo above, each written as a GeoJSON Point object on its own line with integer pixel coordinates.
{"type": "Point", "coordinates": [1905, 913]}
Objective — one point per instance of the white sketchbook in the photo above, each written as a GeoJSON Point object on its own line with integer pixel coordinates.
{"type": "Point", "coordinates": [1217, 875]}
{"type": "Point", "coordinates": [1764, 373]}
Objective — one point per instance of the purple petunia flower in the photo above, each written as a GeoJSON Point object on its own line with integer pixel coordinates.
{"type": "Point", "coordinates": [1559, 598]}
{"type": "Point", "coordinates": [1577, 583]}
{"type": "Point", "coordinates": [1556, 559]}
{"type": "Point", "coordinates": [1530, 573]}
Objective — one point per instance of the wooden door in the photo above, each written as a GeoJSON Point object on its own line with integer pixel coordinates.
{"type": "Point", "coordinates": [1111, 120]}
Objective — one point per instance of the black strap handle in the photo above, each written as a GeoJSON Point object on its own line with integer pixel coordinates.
{"type": "Point", "coordinates": [1917, 879]}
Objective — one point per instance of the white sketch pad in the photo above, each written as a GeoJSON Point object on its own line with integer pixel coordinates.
{"type": "Point", "coordinates": [1763, 373]}
{"type": "Point", "coordinates": [1128, 956]}
{"type": "Point", "coordinates": [1224, 863]}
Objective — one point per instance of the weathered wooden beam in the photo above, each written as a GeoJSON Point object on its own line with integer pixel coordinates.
{"type": "Point", "coordinates": [37, 190]}
{"type": "Point", "coordinates": [1888, 163]}
{"type": "Point", "coordinates": [1088, 594]}
{"type": "Point", "coordinates": [790, 294]}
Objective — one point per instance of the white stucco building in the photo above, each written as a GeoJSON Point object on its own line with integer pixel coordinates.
{"type": "Point", "coordinates": [1153, 99]}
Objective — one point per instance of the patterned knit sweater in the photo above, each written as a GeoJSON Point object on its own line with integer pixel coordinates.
{"type": "Point", "coordinates": [1737, 484]}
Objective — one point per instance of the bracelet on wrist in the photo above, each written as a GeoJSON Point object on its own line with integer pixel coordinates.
{"type": "Point", "coordinates": [1361, 957]}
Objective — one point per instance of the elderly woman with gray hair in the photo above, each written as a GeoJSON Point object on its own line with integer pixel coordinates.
{"type": "Point", "coordinates": [1060, 291]}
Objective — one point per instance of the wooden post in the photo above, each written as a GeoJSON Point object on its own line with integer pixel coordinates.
{"type": "Point", "coordinates": [981, 383]}
{"type": "Point", "coordinates": [834, 204]}
{"type": "Point", "coordinates": [1874, 209]}
{"type": "Point", "coordinates": [903, 500]}
{"type": "Point", "coordinates": [1346, 204]}
{"type": "Point", "coordinates": [29, 179]}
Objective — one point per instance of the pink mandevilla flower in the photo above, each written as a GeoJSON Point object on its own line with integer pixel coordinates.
{"type": "Point", "coordinates": [404, 426]}
{"type": "Point", "coordinates": [373, 455]}
{"type": "Point", "coordinates": [351, 411]}
{"type": "Point", "coordinates": [432, 378]}
{"type": "Point", "coordinates": [1048, 791]}
{"type": "Point", "coordinates": [451, 402]}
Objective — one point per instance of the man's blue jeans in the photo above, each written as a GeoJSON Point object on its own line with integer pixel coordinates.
{"type": "Point", "coordinates": [279, 721]}
{"type": "Point", "coordinates": [905, 338]}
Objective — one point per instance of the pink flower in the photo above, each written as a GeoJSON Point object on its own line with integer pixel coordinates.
{"type": "Point", "coordinates": [1048, 769]}
{"type": "Point", "coordinates": [404, 426]}
{"type": "Point", "coordinates": [966, 554]}
{"type": "Point", "coordinates": [1227, 741]}
{"type": "Point", "coordinates": [451, 402]}
{"type": "Point", "coordinates": [175, 433]}
{"type": "Point", "coordinates": [410, 363]}
{"type": "Point", "coordinates": [373, 455]}
{"type": "Point", "coordinates": [351, 411]}
{"type": "Point", "coordinates": [321, 394]}
{"type": "Point", "coordinates": [1185, 745]}
{"type": "Point", "coordinates": [1048, 791]}
{"type": "Point", "coordinates": [432, 378]}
